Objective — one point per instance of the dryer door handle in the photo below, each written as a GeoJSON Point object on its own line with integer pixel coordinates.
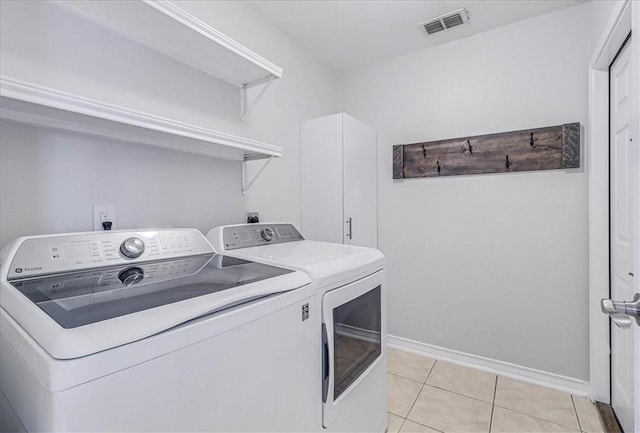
{"type": "Point", "coordinates": [325, 364]}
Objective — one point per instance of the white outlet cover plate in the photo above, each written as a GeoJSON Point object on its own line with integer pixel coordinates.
{"type": "Point", "coordinates": [99, 209]}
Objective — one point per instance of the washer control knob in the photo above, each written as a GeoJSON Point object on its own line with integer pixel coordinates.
{"type": "Point", "coordinates": [131, 276]}
{"type": "Point", "coordinates": [132, 248]}
{"type": "Point", "coordinates": [267, 233]}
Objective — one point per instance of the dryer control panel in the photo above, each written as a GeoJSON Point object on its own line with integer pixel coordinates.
{"type": "Point", "coordinates": [42, 255]}
{"type": "Point", "coordinates": [252, 235]}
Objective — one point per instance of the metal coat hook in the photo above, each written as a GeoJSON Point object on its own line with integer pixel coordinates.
{"type": "Point", "coordinates": [507, 164]}
{"type": "Point", "coordinates": [470, 147]}
{"type": "Point", "coordinates": [424, 152]}
{"type": "Point", "coordinates": [438, 164]}
{"type": "Point", "coordinates": [531, 142]}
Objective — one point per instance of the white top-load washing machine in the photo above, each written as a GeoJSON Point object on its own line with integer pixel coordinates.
{"type": "Point", "coordinates": [350, 283]}
{"type": "Point", "coordinates": [152, 331]}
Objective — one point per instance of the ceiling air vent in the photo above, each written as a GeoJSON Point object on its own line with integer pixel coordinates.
{"type": "Point", "coordinates": [433, 27]}
{"type": "Point", "coordinates": [445, 21]}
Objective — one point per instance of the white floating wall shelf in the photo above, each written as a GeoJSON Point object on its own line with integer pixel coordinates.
{"type": "Point", "coordinates": [37, 105]}
{"type": "Point", "coordinates": [164, 27]}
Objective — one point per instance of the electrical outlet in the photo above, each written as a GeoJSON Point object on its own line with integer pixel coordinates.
{"type": "Point", "coordinates": [103, 213]}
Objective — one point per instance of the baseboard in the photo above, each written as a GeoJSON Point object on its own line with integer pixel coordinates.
{"type": "Point", "coordinates": [538, 377]}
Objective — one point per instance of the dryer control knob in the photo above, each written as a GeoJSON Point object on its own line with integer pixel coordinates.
{"type": "Point", "coordinates": [267, 233]}
{"type": "Point", "coordinates": [132, 248]}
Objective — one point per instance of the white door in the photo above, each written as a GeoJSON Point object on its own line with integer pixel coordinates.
{"type": "Point", "coordinates": [360, 156]}
{"type": "Point", "coordinates": [623, 199]}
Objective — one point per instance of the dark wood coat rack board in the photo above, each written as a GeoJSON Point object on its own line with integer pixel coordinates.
{"type": "Point", "coordinates": [550, 148]}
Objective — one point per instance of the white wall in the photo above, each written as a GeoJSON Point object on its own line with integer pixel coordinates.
{"type": "Point", "coordinates": [43, 44]}
{"type": "Point", "coordinates": [307, 90]}
{"type": "Point", "coordinates": [492, 265]}
{"type": "Point", "coordinates": [51, 178]}
{"type": "Point", "coordinates": [601, 11]}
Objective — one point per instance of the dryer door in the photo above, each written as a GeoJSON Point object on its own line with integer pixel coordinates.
{"type": "Point", "coordinates": [354, 345]}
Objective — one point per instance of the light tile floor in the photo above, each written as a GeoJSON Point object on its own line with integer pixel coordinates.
{"type": "Point", "coordinates": [426, 395]}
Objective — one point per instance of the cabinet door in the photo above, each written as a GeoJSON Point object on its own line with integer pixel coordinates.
{"type": "Point", "coordinates": [360, 160]}
{"type": "Point", "coordinates": [321, 179]}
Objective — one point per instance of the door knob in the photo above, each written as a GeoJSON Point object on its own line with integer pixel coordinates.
{"type": "Point", "coordinates": [622, 321]}
{"type": "Point", "coordinates": [616, 309]}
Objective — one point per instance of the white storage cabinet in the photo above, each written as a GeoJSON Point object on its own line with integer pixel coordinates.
{"type": "Point", "coordinates": [339, 181]}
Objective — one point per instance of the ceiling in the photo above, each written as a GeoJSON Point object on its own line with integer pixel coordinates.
{"type": "Point", "coordinates": [346, 34]}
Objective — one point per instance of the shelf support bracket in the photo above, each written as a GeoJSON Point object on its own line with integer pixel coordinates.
{"type": "Point", "coordinates": [246, 185]}
{"type": "Point", "coordinates": [245, 107]}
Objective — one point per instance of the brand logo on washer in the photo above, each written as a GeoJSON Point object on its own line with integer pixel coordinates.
{"type": "Point", "coordinates": [21, 270]}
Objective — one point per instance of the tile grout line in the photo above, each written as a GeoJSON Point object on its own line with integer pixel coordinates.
{"type": "Point", "coordinates": [545, 419]}
{"type": "Point", "coordinates": [562, 393]}
{"type": "Point", "coordinates": [405, 378]}
{"type": "Point", "coordinates": [457, 393]}
{"type": "Point", "coordinates": [419, 392]}
{"type": "Point", "coordinates": [411, 378]}
{"type": "Point", "coordinates": [493, 403]}
{"type": "Point", "coordinates": [575, 410]}
{"type": "Point", "coordinates": [417, 381]}
{"type": "Point", "coordinates": [430, 371]}
{"type": "Point", "coordinates": [442, 389]}
{"type": "Point", "coordinates": [414, 402]}
{"type": "Point", "coordinates": [536, 417]}
{"type": "Point", "coordinates": [402, 424]}
{"type": "Point", "coordinates": [424, 425]}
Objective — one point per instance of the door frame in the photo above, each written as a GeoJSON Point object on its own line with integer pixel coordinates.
{"type": "Point", "coordinates": [625, 17]}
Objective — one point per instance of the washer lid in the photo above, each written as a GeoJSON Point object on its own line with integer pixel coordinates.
{"type": "Point", "coordinates": [76, 314]}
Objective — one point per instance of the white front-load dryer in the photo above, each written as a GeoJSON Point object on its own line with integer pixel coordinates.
{"type": "Point", "coordinates": [350, 283]}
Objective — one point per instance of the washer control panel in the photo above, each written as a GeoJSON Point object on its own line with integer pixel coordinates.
{"type": "Point", "coordinates": [253, 235]}
{"type": "Point", "coordinates": [41, 255]}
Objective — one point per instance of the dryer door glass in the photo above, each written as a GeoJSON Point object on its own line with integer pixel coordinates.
{"type": "Point", "coordinates": [357, 338]}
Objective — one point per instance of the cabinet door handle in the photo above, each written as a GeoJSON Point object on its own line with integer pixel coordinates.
{"type": "Point", "coordinates": [350, 232]}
